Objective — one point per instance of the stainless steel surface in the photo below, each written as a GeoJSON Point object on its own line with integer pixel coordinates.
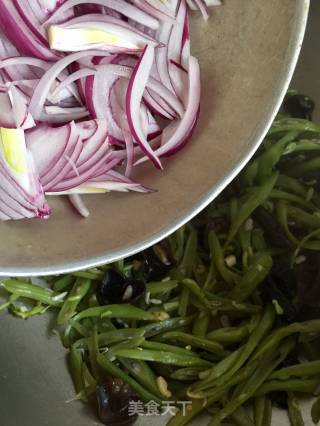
{"type": "Point", "coordinates": [34, 384]}
{"type": "Point", "coordinates": [248, 51]}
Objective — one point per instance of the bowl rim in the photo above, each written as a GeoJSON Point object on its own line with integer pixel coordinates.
{"type": "Point", "coordinates": [301, 18]}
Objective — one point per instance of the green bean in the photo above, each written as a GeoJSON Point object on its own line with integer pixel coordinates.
{"type": "Point", "coordinates": [275, 338]}
{"type": "Point", "coordinates": [267, 413]}
{"type": "Point", "coordinates": [315, 411]}
{"type": "Point", "coordinates": [128, 344]}
{"type": "Point", "coordinates": [217, 254]}
{"type": "Point", "coordinates": [63, 283]}
{"type": "Point", "coordinates": [34, 292]}
{"type": "Point", "coordinates": [193, 288]}
{"type": "Point", "coordinates": [186, 265]}
{"type": "Point", "coordinates": [118, 311]}
{"type": "Point", "coordinates": [93, 352]}
{"type": "Point", "coordinates": [241, 417]}
{"type": "Point", "coordinates": [157, 346]}
{"type": "Point", "coordinates": [88, 379]}
{"type": "Point", "coordinates": [303, 145]}
{"type": "Point", "coordinates": [304, 369]}
{"type": "Point", "coordinates": [259, 410]}
{"type": "Point", "coordinates": [186, 374]}
{"type": "Point", "coordinates": [112, 369]}
{"type": "Point", "coordinates": [257, 196]}
{"type": "Point", "coordinates": [246, 390]}
{"type": "Point", "coordinates": [88, 275]}
{"type": "Point", "coordinates": [161, 287]}
{"type": "Point", "coordinates": [78, 292]}
{"type": "Point", "coordinates": [303, 218]}
{"type": "Point", "coordinates": [170, 306]}
{"type": "Point", "coordinates": [141, 371]}
{"type": "Point", "coordinates": [294, 411]}
{"type": "Point", "coordinates": [262, 328]}
{"type": "Point", "coordinates": [181, 418]}
{"type": "Point", "coordinates": [255, 275]}
{"type": "Point", "coordinates": [293, 124]}
{"type": "Point", "coordinates": [292, 185]}
{"type": "Point", "coordinates": [258, 241]}
{"type": "Point", "coordinates": [176, 244]}
{"type": "Point", "coordinates": [262, 411]}
{"type": "Point", "coordinates": [307, 166]}
{"type": "Point", "coordinates": [293, 385]}
{"type": "Point", "coordinates": [286, 196]}
{"type": "Point", "coordinates": [162, 357]}
{"type": "Point", "coordinates": [112, 337]}
{"type": "Point", "coordinates": [75, 359]}
{"type": "Point", "coordinates": [229, 335]}
{"type": "Point", "coordinates": [250, 173]}
{"type": "Point", "coordinates": [151, 330]}
{"type": "Point", "coordinates": [282, 217]}
{"type": "Point", "coordinates": [215, 393]}
{"type": "Point", "coordinates": [200, 325]}
{"type": "Point", "coordinates": [184, 302]}
{"type": "Point", "coordinates": [194, 341]}
{"type": "Point", "coordinates": [222, 304]}
{"type": "Point", "coordinates": [272, 155]}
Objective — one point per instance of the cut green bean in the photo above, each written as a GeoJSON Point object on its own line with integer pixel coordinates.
{"type": "Point", "coordinates": [294, 411]}
{"type": "Point", "coordinates": [315, 411]}
{"type": "Point", "coordinates": [112, 337]}
{"type": "Point", "coordinates": [217, 253]}
{"type": "Point", "coordinates": [162, 357]}
{"type": "Point", "coordinates": [78, 292]}
{"type": "Point", "coordinates": [75, 359]}
{"type": "Point", "coordinates": [63, 283]}
{"type": "Point", "coordinates": [155, 288]}
{"type": "Point", "coordinates": [305, 369]}
{"type": "Point", "coordinates": [256, 198]}
{"type": "Point", "coordinates": [141, 371]}
{"type": "Point", "coordinates": [167, 348]}
{"type": "Point", "coordinates": [255, 275]}
{"type": "Point", "coordinates": [119, 311]}
{"type": "Point", "coordinates": [186, 374]}
{"type": "Point", "coordinates": [200, 325]}
{"type": "Point", "coordinates": [33, 292]}
{"type": "Point", "coordinates": [229, 335]}
{"type": "Point", "coordinates": [241, 417]}
{"type": "Point", "coordinates": [112, 369]}
{"type": "Point", "coordinates": [281, 333]}
{"type": "Point", "coordinates": [195, 342]}
{"type": "Point", "coordinates": [307, 386]}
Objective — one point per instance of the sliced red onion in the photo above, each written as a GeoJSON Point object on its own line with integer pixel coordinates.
{"type": "Point", "coordinates": [120, 6]}
{"type": "Point", "coordinates": [156, 9]}
{"type": "Point", "coordinates": [116, 88]}
{"type": "Point", "coordinates": [96, 31]}
{"type": "Point", "coordinates": [21, 195]}
{"type": "Point", "coordinates": [41, 92]}
{"type": "Point", "coordinates": [20, 34]}
{"type": "Point", "coordinates": [182, 129]}
{"type": "Point", "coordinates": [141, 74]}
{"type": "Point", "coordinates": [79, 205]}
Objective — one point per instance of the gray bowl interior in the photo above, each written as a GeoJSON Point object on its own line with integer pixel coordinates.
{"type": "Point", "coordinates": [247, 52]}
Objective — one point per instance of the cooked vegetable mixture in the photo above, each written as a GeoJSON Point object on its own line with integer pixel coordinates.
{"type": "Point", "coordinates": [223, 314]}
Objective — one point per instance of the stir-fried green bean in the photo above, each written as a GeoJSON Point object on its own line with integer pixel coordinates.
{"type": "Point", "coordinates": [223, 313]}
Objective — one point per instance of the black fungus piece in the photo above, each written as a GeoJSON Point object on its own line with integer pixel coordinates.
{"type": "Point", "coordinates": [280, 287]}
{"type": "Point", "coordinates": [152, 267]}
{"type": "Point", "coordinates": [299, 106]}
{"type": "Point", "coordinates": [273, 231]}
{"type": "Point", "coordinates": [116, 288]}
{"type": "Point", "coordinates": [114, 398]}
{"type": "Point", "coordinates": [308, 280]}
